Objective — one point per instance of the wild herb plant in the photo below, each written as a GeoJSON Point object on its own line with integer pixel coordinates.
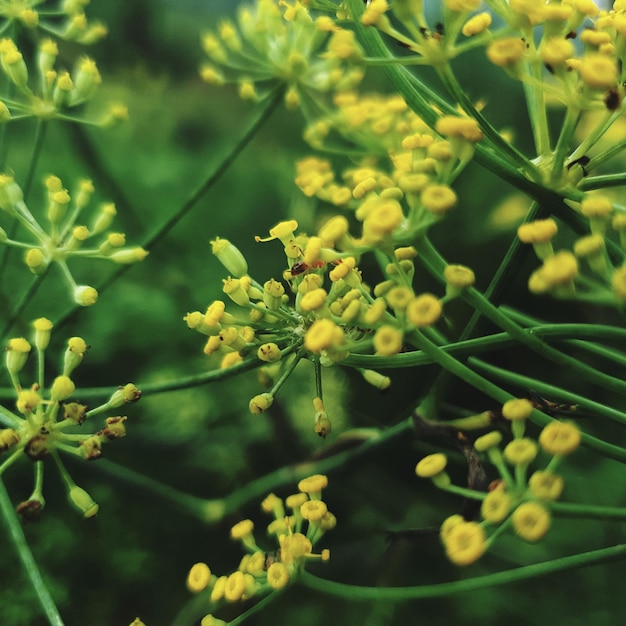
{"type": "Point", "coordinates": [366, 286]}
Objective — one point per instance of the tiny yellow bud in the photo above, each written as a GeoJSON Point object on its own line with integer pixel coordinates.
{"type": "Point", "coordinates": [84, 295]}
{"type": "Point", "coordinates": [62, 388]}
{"type": "Point", "coordinates": [199, 577]}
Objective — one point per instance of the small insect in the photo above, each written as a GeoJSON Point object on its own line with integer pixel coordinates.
{"type": "Point", "coordinates": [582, 162]}
{"type": "Point", "coordinates": [301, 267]}
{"type": "Point", "coordinates": [553, 409]}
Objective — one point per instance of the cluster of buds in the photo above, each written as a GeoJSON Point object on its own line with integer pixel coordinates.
{"type": "Point", "coordinates": [65, 20]}
{"type": "Point", "coordinates": [560, 274]}
{"type": "Point", "coordinates": [520, 499]}
{"type": "Point", "coordinates": [39, 88]}
{"type": "Point", "coordinates": [411, 189]}
{"type": "Point", "coordinates": [65, 237]}
{"type": "Point", "coordinates": [280, 43]}
{"type": "Point", "coordinates": [47, 421]}
{"type": "Point", "coordinates": [320, 309]}
{"type": "Point", "coordinates": [299, 523]}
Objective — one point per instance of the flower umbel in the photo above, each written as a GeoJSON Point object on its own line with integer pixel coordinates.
{"type": "Point", "coordinates": [48, 422]}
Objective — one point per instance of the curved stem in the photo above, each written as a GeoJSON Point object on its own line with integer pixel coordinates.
{"type": "Point", "coordinates": [213, 510]}
{"type": "Point", "coordinates": [28, 561]}
{"type": "Point", "coordinates": [357, 592]}
{"type": "Point", "coordinates": [547, 390]}
{"type": "Point", "coordinates": [25, 298]}
{"type": "Point", "coordinates": [435, 263]}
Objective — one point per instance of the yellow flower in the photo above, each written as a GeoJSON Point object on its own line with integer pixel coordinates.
{"type": "Point", "coordinates": [459, 276]}
{"type": "Point", "coordinates": [506, 52]}
{"type": "Point", "coordinates": [598, 71]}
{"type": "Point", "coordinates": [517, 409]}
{"type": "Point", "coordinates": [531, 521]}
{"type": "Point", "coordinates": [387, 340]}
{"type": "Point", "coordinates": [431, 465]}
{"type": "Point", "coordinates": [477, 24]}
{"type": "Point", "coordinates": [313, 510]}
{"type": "Point", "coordinates": [242, 529]}
{"type": "Point", "coordinates": [199, 577]}
{"type": "Point", "coordinates": [438, 199]}
{"type": "Point", "coordinates": [496, 506]}
{"type": "Point", "coordinates": [560, 438]}
{"type": "Point", "coordinates": [488, 441]}
{"type": "Point", "coordinates": [323, 334]}
{"type": "Point", "coordinates": [465, 542]}
{"type": "Point", "coordinates": [313, 485]}
{"type": "Point", "coordinates": [424, 310]}
{"type": "Point", "coordinates": [293, 547]}
{"type": "Point", "coordinates": [546, 485]}
{"type": "Point", "coordinates": [277, 576]}
{"type": "Point", "coordinates": [522, 452]}
{"type": "Point", "coordinates": [235, 586]}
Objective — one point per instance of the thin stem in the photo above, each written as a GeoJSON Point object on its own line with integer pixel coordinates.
{"type": "Point", "coordinates": [40, 135]}
{"type": "Point", "coordinates": [28, 561]}
{"type": "Point", "coordinates": [435, 264]}
{"type": "Point", "coordinates": [357, 592]}
{"type": "Point", "coordinates": [567, 509]}
{"type": "Point", "coordinates": [194, 198]}
{"type": "Point", "coordinates": [547, 390]}
{"type": "Point", "coordinates": [23, 302]}
{"type": "Point", "coordinates": [212, 511]}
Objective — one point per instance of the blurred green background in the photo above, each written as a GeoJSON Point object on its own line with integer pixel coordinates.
{"type": "Point", "coordinates": [133, 558]}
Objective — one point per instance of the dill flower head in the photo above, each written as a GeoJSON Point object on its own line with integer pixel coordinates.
{"type": "Point", "coordinates": [281, 43]}
{"type": "Point", "coordinates": [46, 417]}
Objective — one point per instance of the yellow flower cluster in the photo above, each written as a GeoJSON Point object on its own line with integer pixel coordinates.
{"type": "Point", "coordinates": [300, 521]}
{"type": "Point", "coordinates": [65, 237]}
{"type": "Point", "coordinates": [515, 500]}
{"type": "Point", "coordinates": [407, 187]}
{"type": "Point", "coordinates": [560, 274]}
{"type": "Point", "coordinates": [45, 414]}
{"type": "Point", "coordinates": [320, 308]}
{"type": "Point", "coordinates": [67, 19]}
{"type": "Point", "coordinates": [276, 42]}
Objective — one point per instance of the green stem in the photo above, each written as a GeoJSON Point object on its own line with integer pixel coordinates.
{"type": "Point", "coordinates": [572, 116]}
{"type": "Point", "coordinates": [255, 608]}
{"type": "Point", "coordinates": [23, 302]}
{"type": "Point", "coordinates": [270, 104]}
{"type": "Point", "coordinates": [603, 181]}
{"type": "Point", "coordinates": [212, 511]}
{"type": "Point", "coordinates": [433, 261]}
{"type": "Point", "coordinates": [535, 104]}
{"type": "Point", "coordinates": [28, 561]}
{"type": "Point", "coordinates": [458, 93]}
{"type": "Point", "coordinates": [548, 390]}
{"type": "Point", "coordinates": [566, 509]}
{"type": "Point", "coordinates": [608, 353]}
{"type": "Point", "coordinates": [397, 594]}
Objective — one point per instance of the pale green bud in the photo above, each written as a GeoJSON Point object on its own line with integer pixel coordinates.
{"type": "Point", "coordinates": [230, 257]}
{"type": "Point", "coordinates": [82, 501]}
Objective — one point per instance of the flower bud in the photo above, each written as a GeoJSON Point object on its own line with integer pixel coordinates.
{"type": "Point", "coordinates": [230, 257]}
{"type": "Point", "coordinates": [84, 295]}
{"type": "Point", "coordinates": [82, 501]}
{"type": "Point", "coordinates": [43, 330]}
{"type": "Point", "coordinates": [62, 388]}
{"type": "Point", "coordinates": [17, 353]}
